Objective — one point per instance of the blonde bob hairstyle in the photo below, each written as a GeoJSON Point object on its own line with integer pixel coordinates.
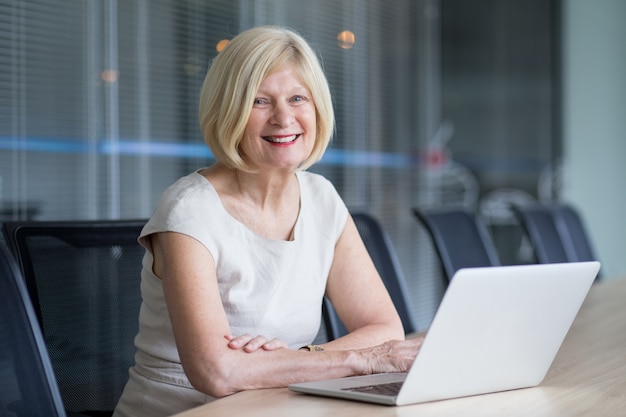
{"type": "Point", "coordinates": [233, 80]}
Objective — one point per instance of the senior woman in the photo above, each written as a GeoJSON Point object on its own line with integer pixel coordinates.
{"type": "Point", "coordinates": [240, 254]}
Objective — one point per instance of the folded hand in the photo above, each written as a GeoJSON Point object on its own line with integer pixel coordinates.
{"type": "Point", "coordinates": [251, 344]}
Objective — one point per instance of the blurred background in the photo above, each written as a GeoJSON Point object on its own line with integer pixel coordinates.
{"type": "Point", "coordinates": [473, 103]}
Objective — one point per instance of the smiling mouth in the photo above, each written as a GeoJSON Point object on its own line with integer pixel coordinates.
{"type": "Point", "coordinates": [281, 139]}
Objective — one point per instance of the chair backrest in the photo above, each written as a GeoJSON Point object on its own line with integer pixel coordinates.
{"type": "Point", "coordinates": [460, 238]}
{"type": "Point", "coordinates": [556, 232]}
{"type": "Point", "coordinates": [383, 255]}
{"type": "Point", "coordinates": [573, 233]}
{"type": "Point", "coordinates": [538, 223]}
{"type": "Point", "coordinates": [332, 323]}
{"type": "Point", "coordinates": [83, 278]}
{"type": "Point", "coordinates": [27, 383]}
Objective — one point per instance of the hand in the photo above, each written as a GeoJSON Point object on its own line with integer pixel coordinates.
{"type": "Point", "coordinates": [250, 344]}
{"type": "Point", "coordinates": [392, 356]}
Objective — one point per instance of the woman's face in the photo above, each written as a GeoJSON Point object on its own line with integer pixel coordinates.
{"type": "Point", "coordinates": [281, 130]}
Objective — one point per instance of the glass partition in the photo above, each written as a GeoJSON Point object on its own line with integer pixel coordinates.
{"type": "Point", "coordinates": [437, 102]}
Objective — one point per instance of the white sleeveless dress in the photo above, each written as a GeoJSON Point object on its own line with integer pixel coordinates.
{"type": "Point", "coordinates": [268, 287]}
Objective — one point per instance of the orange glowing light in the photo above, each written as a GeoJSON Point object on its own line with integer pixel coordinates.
{"type": "Point", "coordinates": [346, 39]}
{"type": "Point", "coordinates": [221, 45]}
{"type": "Point", "coordinates": [110, 75]}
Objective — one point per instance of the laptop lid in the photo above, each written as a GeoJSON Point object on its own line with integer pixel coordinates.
{"type": "Point", "coordinates": [496, 329]}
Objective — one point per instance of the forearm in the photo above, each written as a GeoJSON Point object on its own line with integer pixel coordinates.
{"type": "Point", "coordinates": [366, 336]}
{"type": "Point", "coordinates": [237, 370]}
{"type": "Point", "coordinates": [234, 370]}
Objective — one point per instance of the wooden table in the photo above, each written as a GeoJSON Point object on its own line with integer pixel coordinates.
{"type": "Point", "coordinates": [587, 378]}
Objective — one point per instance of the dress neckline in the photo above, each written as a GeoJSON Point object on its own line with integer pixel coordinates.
{"type": "Point", "coordinates": [293, 236]}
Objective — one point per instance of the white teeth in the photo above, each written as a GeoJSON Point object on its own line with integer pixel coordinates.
{"type": "Point", "coordinates": [280, 140]}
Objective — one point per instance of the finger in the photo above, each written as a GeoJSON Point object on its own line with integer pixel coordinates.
{"type": "Point", "coordinates": [255, 343]}
{"type": "Point", "coordinates": [275, 344]}
{"type": "Point", "coordinates": [239, 341]}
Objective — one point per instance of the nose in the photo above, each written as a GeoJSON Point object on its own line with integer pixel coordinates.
{"type": "Point", "coordinates": [282, 115]}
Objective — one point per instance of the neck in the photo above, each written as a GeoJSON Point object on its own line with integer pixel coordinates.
{"type": "Point", "coordinates": [265, 188]}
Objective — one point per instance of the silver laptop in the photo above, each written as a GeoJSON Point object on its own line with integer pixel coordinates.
{"type": "Point", "coordinates": [496, 329]}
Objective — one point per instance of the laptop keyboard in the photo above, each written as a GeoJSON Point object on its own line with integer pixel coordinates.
{"type": "Point", "coordinates": [390, 388]}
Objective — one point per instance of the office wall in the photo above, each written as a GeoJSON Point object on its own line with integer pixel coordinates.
{"type": "Point", "coordinates": [594, 104]}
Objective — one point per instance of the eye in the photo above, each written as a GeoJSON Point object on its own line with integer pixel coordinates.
{"type": "Point", "coordinates": [259, 101]}
{"type": "Point", "coordinates": [299, 99]}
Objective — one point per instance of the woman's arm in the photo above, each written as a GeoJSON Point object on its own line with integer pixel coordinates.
{"type": "Point", "coordinates": [359, 296]}
{"type": "Point", "coordinates": [201, 330]}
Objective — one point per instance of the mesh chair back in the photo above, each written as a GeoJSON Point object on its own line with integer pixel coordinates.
{"type": "Point", "coordinates": [383, 255]}
{"type": "Point", "coordinates": [461, 240]}
{"type": "Point", "coordinates": [84, 280]}
{"type": "Point", "coordinates": [538, 224]}
{"type": "Point", "coordinates": [27, 383]}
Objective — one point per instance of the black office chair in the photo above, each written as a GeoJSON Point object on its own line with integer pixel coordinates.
{"type": "Point", "coordinates": [538, 223]}
{"type": "Point", "coordinates": [573, 233]}
{"type": "Point", "coordinates": [556, 232]}
{"type": "Point", "coordinates": [460, 238]}
{"type": "Point", "coordinates": [83, 278]}
{"type": "Point", "coordinates": [332, 323]}
{"type": "Point", "coordinates": [383, 255]}
{"type": "Point", "coordinates": [27, 383]}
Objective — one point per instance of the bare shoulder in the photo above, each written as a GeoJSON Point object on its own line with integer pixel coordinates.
{"type": "Point", "coordinates": [220, 177]}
